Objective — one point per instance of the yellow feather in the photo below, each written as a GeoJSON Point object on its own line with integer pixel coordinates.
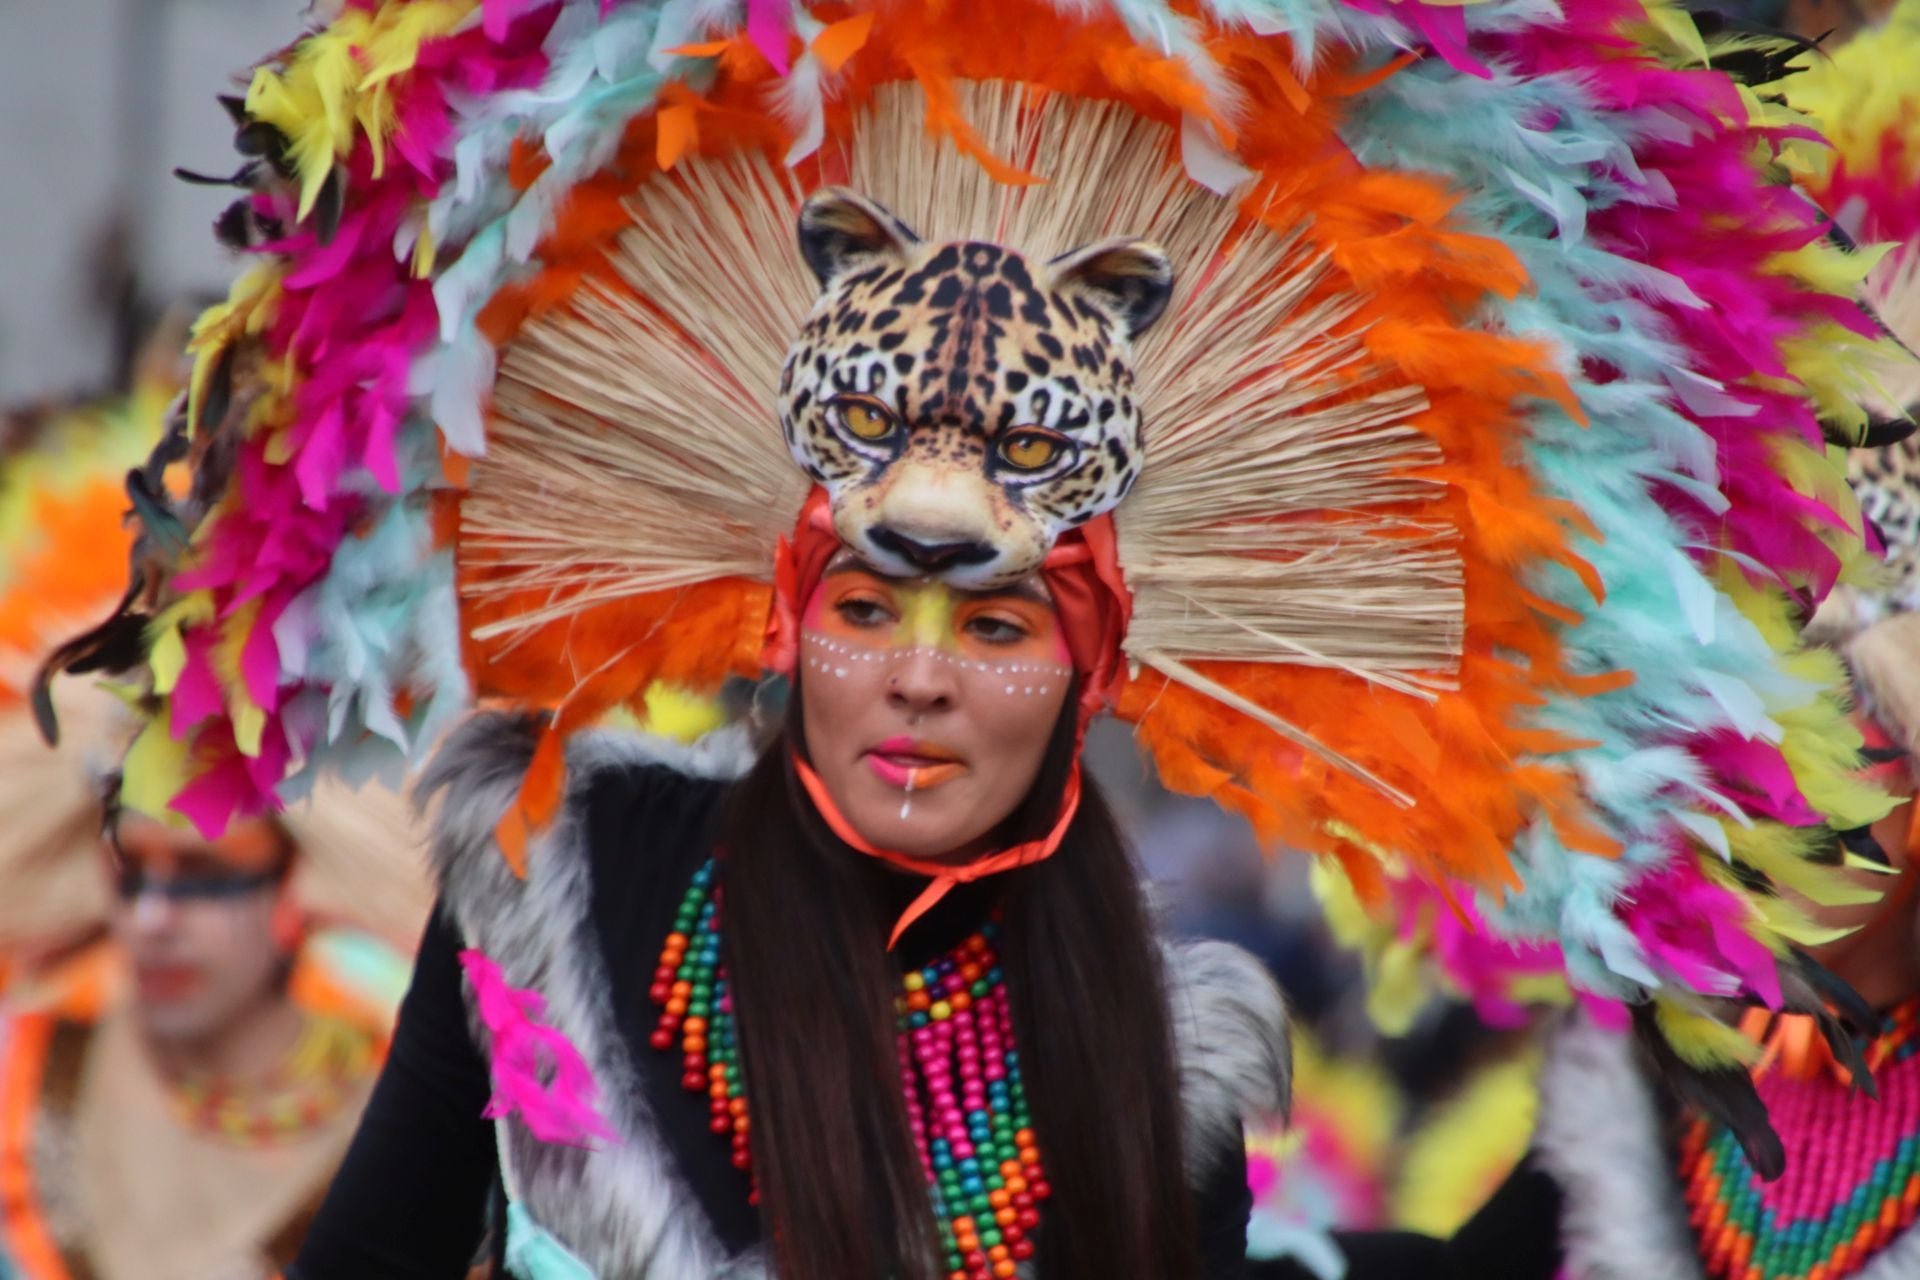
{"type": "Point", "coordinates": [681, 714]}
{"type": "Point", "coordinates": [1702, 1041]}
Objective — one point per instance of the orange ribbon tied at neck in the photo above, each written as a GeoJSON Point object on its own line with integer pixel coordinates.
{"type": "Point", "coordinates": [942, 877]}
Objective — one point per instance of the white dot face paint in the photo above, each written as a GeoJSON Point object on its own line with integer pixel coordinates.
{"type": "Point", "coordinates": [836, 658]}
{"type": "Point", "coordinates": [927, 708]}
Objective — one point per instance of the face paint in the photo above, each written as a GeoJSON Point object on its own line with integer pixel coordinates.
{"type": "Point", "coordinates": [928, 707]}
{"type": "Point", "coordinates": [1007, 643]}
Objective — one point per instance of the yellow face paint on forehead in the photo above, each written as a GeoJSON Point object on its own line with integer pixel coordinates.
{"type": "Point", "coordinates": [859, 608]}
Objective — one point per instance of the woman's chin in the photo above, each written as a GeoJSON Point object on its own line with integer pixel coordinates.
{"type": "Point", "coordinates": [920, 827]}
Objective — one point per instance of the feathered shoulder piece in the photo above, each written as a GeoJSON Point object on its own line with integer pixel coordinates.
{"type": "Point", "coordinates": [1441, 389]}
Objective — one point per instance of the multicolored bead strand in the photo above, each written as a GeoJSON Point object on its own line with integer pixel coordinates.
{"type": "Point", "coordinates": [959, 1073]}
{"type": "Point", "coordinates": [1852, 1181]}
{"type": "Point", "coordinates": [690, 986]}
{"type": "Point", "coordinates": [968, 1110]}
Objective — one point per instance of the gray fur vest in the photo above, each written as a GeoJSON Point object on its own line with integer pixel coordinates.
{"type": "Point", "coordinates": [1604, 1140]}
{"type": "Point", "coordinates": [624, 1210]}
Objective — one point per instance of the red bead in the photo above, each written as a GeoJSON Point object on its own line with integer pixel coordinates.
{"type": "Point", "coordinates": [1023, 1249]}
{"type": "Point", "coordinates": [720, 1123]}
{"type": "Point", "coordinates": [695, 1062]}
{"type": "Point", "coordinates": [694, 1082]}
{"type": "Point", "coordinates": [1028, 1219]}
{"type": "Point", "coordinates": [741, 1159]}
{"type": "Point", "coordinates": [1041, 1190]}
{"type": "Point", "coordinates": [661, 1039]}
{"type": "Point", "coordinates": [658, 993]}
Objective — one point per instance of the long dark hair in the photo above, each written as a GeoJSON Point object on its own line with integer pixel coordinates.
{"type": "Point", "coordinates": [842, 1191]}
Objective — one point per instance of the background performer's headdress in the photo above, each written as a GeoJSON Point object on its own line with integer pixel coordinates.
{"type": "Point", "coordinates": [1482, 464]}
{"type": "Point", "coordinates": [63, 561]}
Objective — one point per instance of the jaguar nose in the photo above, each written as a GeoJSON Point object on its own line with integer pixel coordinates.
{"type": "Point", "coordinates": [929, 557]}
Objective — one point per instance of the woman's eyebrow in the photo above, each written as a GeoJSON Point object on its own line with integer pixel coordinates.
{"type": "Point", "coordinates": [1025, 589]}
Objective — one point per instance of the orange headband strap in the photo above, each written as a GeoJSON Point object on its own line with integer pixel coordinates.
{"type": "Point", "coordinates": [943, 877]}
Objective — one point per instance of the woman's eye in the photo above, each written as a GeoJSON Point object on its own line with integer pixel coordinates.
{"type": "Point", "coordinates": [995, 630]}
{"type": "Point", "coordinates": [864, 613]}
{"type": "Point", "coordinates": [1029, 450]}
{"type": "Point", "coordinates": [865, 419]}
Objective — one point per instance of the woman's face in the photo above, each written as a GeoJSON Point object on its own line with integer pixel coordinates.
{"type": "Point", "coordinates": [928, 709]}
{"type": "Point", "coordinates": [196, 922]}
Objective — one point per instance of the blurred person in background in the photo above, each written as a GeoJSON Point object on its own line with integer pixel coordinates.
{"type": "Point", "coordinates": [187, 1035]}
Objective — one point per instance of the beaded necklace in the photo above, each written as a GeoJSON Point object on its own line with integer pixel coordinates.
{"type": "Point", "coordinates": [1852, 1181]}
{"type": "Point", "coordinates": [959, 1074]}
{"type": "Point", "coordinates": [308, 1087]}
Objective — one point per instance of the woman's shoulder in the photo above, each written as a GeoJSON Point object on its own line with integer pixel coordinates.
{"type": "Point", "coordinates": [631, 806]}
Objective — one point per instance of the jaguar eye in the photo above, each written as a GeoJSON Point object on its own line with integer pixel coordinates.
{"type": "Point", "coordinates": [866, 419]}
{"type": "Point", "coordinates": [1030, 449]}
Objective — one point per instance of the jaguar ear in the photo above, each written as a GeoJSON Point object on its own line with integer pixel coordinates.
{"type": "Point", "coordinates": [839, 229]}
{"type": "Point", "coordinates": [1130, 278]}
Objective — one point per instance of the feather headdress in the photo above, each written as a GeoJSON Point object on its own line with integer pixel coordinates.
{"type": "Point", "coordinates": [1485, 481]}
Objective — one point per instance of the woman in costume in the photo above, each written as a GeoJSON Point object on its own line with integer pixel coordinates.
{"type": "Point", "coordinates": [1422, 455]}
{"type": "Point", "coordinates": [918, 835]}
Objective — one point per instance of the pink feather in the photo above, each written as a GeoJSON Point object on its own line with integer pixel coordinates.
{"type": "Point", "coordinates": [537, 1073]}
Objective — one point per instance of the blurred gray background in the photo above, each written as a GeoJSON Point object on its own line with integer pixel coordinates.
{"type": "Point", "coordinates": [99, 101]}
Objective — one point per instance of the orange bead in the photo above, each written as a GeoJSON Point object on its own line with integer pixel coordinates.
{"type": "Point", "coordinates": [1004, 1268]}
{"type": "Point", "coordinates": [962, 1223]}
{"type": "Point", "coordinates": [682, 988]}
{"type": "Point", "coordinates": [696, 1025]}
{"type": "Point", "coordinates": [1016, 1184]}
{"type": "Point", "coordinates": [1004, 1216]}
{"type": "Point", "coordinates": [718, 1089]}
{"type": "Point", "coordinates": [1009, 1168]}
{"type": "Point", "coordinates": [677, 1006]}
{"type": "Point", "coordinates": [1023, 1137]}
{"type": "Point", "coordinates": [693, 1044]}
{"type": "Point", "coordinates": [737, 1107]}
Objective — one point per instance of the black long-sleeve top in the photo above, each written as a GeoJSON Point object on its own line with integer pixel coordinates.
{"type": "Point", "coordinates": [411, 1199]}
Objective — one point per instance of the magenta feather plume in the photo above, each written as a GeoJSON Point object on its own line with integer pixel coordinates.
{"type": "Point", "coordinates": [538, 1075]}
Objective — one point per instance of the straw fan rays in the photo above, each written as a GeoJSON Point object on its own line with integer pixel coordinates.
{"type": "Point", "coordinates": [1274, 506]}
